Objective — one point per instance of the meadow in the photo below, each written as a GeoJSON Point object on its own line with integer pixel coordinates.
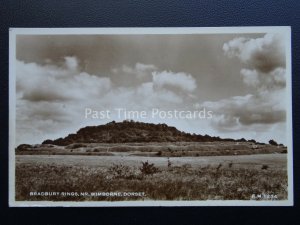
{"type": "Point", "coordinates": [155, 149]}
{"type": "Point", "coordinates": [160, 178]}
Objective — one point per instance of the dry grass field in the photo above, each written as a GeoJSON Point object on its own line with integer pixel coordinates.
{"type": "Point", "coordinates": [235, 177]}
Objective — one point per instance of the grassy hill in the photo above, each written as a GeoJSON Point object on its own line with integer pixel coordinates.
{"type": "Point", "coordinates": [130, 131]}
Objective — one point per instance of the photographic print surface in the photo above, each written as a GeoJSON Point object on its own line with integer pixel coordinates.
{"type": "Point", "coordinates": [150, 117]}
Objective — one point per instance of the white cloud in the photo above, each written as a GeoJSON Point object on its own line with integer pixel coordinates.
{"type": "Point", "coordinates": [144, 67]}
{"type": "Point", "coordinates": [250, 77]}
{"type": "Point", "coordinates": [250, 116]}
{"type": "Point", "coordinates": [51, 83]}
{"type": "Point", "coordinates": [263, 54]}
{"type": "Point", "coordinates": [71, 62]}
{"type": "Point", "coordinates": [167, 79]}
{"type": "Point", "coordinates": [156, 97]}
{"type": "Point", "coordinates": [260, 112]}
{"type": "Point", "coordinates": [247, 110]}
{"type": "Point", "coordinates": [52, 99]}
{"type": "Point", "coordinates": [140, 71]}
{"type": "Point", "coordinates": [274, 80]}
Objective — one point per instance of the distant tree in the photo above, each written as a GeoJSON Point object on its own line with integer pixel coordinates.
{"type": "Point", "coordinates": [253, 141]}
{"type": "Point", "coordinates": [272, 142]}
{"type": "Point", "coordinates": [48, 141]}
{"type": "Point", "coordinates": [23, 147]}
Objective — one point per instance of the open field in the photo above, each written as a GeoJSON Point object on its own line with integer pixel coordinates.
{"type": "Point", "coordinates": [234, 177]}
{"type": "Point", "coordinates": [154, 149]}
{"type": "Point", "coordinates": [274, 161]}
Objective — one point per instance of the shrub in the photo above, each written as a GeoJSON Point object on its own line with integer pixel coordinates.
{"type": "Point", "coordinates": [272, 142]}
{"type": "Point", "coordinates": [120, 171]}
{"type": "Point", "coordinates": [264, 167]}
{"type": "Point", "coordinates": [148, 168]}
{"type": "Point", "coordinates": [23, 147]}
{"type": "Point", "coordinates": [253, 141]}
{"type": "Point", "coordinates": [48, 141]}
{"type": "Point", "coordinates": [159, 153]}
{"type": "Point", "coordinates": [186, 166]}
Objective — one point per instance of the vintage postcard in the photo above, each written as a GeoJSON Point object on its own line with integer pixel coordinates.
{"type": "Point", "coordinates": [150, 117]}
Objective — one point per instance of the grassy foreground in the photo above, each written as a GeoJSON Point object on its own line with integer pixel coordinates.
{"type": "Point", "coordinates": [224, 181]}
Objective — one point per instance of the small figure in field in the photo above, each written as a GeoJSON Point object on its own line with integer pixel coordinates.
{"type": "Point", "coordinates": [169, 163]}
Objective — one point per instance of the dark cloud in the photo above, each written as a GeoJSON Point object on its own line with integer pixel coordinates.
{"type": "Point", "coordinates": [269, 117]}
{"type": "Point", "coordinates": [44, 95]}
{"type": "Point", "coordinates": [263, 54]}
{"type": "Point", "coordinates": [237, 112]}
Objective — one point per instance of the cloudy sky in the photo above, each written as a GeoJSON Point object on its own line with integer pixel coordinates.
{"type": "Point", "coordinates": [241, 78]}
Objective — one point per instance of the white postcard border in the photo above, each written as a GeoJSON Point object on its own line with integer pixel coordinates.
{"type": "Point", "coordinates": [134, 31]}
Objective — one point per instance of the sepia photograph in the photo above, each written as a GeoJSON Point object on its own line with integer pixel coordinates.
{"type": "Point", "coordinates": [150, 117]}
